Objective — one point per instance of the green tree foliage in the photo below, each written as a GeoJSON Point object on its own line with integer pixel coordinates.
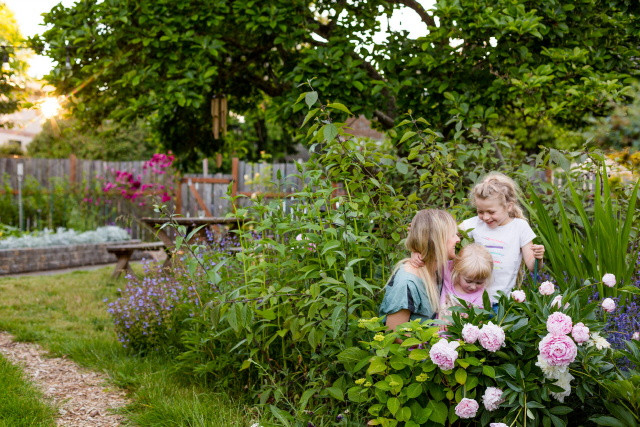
{"type": "Point", "coordinates": [10, 39]}
{"type": "Point", "coordinates": [61, 138]}
{"type": "Point", "coordinates": [530, 69]}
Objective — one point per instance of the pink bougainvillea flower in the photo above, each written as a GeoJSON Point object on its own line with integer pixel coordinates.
{"type": "Point", "coordinates": [470, 333]}
{"type": "Point", "coordinates": [467, 408]}
{"type": "Point", "coordinates": [444, 354]}
{"type": "Point", "coordinates": [580, 333]}
{"type": "Point", "coordinates": [492, 398]}
{"type": "Point", "coordinates": [609, 280]}
{"type": "Point", "coordinates": [559, 324]}
{"type": "Point", "coordinates": [518, 296]}
{"type": "Point", "coordinates": [491, 337]}
{"type": "Point", "coordinates": [557, 350]}
{"type": "Point", "coordinates": [547, 288]}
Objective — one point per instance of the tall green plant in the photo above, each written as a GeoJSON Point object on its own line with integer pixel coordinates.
{"type": "Point", "coordinates": [597, 242]}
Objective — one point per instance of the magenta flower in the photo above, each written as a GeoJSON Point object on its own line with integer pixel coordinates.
{"type": "Point", "coordinates": [559, 324]}
{"type": "Point", "coordinates": [470, 333]}
{"type": "Point", "coordinates": [444, 354]}
{"type": "Point", "coordinates": [547, 288]}
{"type": "Point", "coordinates": [467, 408]}
{"type": "Point", "coordinates": [491, 337]}
{"type": "Point", "coordinates": [609, 280]}
{"type": "Point", "coordinates": [580, 333]}
{"type": "Point", "coordinates": [492, 398]}
{"type": "Point", "coordinates": [608, 305]}
{"type": "Point", "coordinates": [518, 296]}
{"type": "Point", "coordinates": [557, 350]}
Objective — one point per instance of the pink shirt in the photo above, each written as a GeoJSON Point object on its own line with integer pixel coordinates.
{"type": "Point", "coordinates": [449, 297]}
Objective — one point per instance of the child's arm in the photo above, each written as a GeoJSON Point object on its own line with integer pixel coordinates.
{"type": "Point", "coordinates": [530, 253]}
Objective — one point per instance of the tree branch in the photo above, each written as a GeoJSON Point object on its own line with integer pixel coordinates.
{"type": "Point", "coordinates": [417, 7]}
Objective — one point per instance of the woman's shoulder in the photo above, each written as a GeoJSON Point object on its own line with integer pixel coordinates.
{"type": "Point", "coordinates": [407, 273]}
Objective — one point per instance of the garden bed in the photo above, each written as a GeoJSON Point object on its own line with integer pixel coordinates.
{"type": "Point", "coordinates": [24, 260]}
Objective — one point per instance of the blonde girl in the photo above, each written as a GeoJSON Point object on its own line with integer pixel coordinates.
{"type": "Point", "coordinates": [501, 227]}
{"type": "Point", "coordinates": [413, 291]}
{"type": "Point", "coordinates": [470, 274]}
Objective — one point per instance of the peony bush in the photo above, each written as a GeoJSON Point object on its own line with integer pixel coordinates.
{"type": "Point", "coordinates": [540, 361]}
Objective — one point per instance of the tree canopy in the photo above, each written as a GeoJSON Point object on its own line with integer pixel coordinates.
{"type": "Point", "coordinates": [11, 65]}
{"type": "Point", "coordinates": [519, 67]}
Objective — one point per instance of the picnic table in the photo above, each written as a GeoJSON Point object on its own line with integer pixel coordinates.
{"type": "Point", "coordinates": [124, 251]}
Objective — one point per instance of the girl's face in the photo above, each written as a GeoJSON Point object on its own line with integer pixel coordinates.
{"type": "Point", "coordinates": [451, 244]}
{"type": "Point", "coordinates": [469, 285]}
{"type": "Point", "coordinates": [492, 212]}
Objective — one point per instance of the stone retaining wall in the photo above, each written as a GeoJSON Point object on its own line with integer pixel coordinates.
{"type": "Point", "coordinates": [55, 257]}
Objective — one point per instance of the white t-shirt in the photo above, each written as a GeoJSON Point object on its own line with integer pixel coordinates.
{"type": "Point", "coordinates": [504, 243]}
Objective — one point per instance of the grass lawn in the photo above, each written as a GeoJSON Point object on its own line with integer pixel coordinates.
{"type": "Point", "coordinates": [67, 315]}
{"type": "Point", "coordinates": [20, 403]}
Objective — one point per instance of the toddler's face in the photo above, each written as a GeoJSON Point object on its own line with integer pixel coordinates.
{"type": "Point", "coordinates": [469, 286]}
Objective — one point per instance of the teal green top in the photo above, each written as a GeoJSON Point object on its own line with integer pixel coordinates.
{"type": "Point", "coordinates": [406, 291]}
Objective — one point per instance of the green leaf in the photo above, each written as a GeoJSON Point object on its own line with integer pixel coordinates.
{"type": "Point", "coordinates": [418, 354]}
{"type": "Point", "coordinates": [414, 390]}
{"type": "Point", "coordinates": [377, 365]}
{"type": "Point", "coordinates": [607, 421]}
{"type": "Point", "coordinates": [560, 410]}
{"type": "Point", "coordinates": [408, 134]}
{"type": "Point", "coordinates": [402, 167]}
{"type": "Point", "coordinates": [310, 98]}
{"type": "Point", "coordinates": [329, 131]}
{"type": "Point", "coordinates": [489, 371]}
{"type": "Point", "coordinates": [341, 107]}
{"type": "Point", "coordinates": [336, 393]}
{"type": "Point", "coordinates": [352, 355]}
{"type": "Point", "coordinates": [461, 376]}
{"type": "Point", "coordinates": [282, 416]}
{"type": "Point", "coordinates": [393, 404]}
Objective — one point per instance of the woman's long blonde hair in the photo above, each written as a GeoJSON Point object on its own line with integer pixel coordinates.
{"type": "Point", "coordinates": [505, 189]}
{"type": "Point", "coordinates": [430, 230]}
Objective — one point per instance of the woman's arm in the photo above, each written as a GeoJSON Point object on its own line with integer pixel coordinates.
{"type": "Point", "coordinates": [530, 253]}
{"type": "Point", "coordinates": [397, 318]}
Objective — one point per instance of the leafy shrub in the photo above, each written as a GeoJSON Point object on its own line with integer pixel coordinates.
{"type": "Point", "coordinates": [547, 369]}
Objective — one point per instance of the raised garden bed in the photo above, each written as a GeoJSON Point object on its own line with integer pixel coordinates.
{"type": "Point", "coordinates": [24, 260]}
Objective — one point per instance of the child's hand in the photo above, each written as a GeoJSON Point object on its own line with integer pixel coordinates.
{"type": "Point", "coordinates": [538, 251]}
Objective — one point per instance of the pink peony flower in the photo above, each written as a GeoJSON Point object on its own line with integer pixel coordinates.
{"type": "Point", "coordinates": [467, 408]}
{"type": "Point", "coordinates": [547, 288]}
{"type": "Point", "coordinates": [498, 425]}
{"type": "Point", "coordinates": [580, 333]}
{"type": "Point", "coordinates": [557, 350]}
{"type": "Point", "coordinates": [608, 305]}
{"type": "Point", "coordinates": [492, 398]}
{"type": "Point", "coordinates": [444, 354]}
{"type": "Point", "coordinates": [609, 280]}
{"type": "Point", "coordinates": [518, 296]}
{"type": "Point", "coordinates": [559, 324]}
{"type": "Point", "coordinates": [491, 337]}
{"type": "Point", "coordinates": [470, 333]}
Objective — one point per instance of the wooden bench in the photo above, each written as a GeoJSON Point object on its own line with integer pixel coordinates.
{"type": "Point", "coordinates": [124, 251]}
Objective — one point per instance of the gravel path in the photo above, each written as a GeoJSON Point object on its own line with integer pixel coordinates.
{"type": "Point", "coordinates": [82, 396]}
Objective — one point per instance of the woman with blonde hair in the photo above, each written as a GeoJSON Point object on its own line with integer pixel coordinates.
{"type": "Point", "coordinates": [413, 291]}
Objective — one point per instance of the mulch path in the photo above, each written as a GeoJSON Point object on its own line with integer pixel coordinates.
{"type": "Point", "coordinates": [82, 397]}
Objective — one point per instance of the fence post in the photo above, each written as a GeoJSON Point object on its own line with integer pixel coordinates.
{"type": "Point", "coordinates": [73, 165]}
{"type": "Point", "coordinates": [234, 176]}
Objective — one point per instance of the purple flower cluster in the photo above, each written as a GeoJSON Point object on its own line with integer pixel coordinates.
{"type": "Point", "coordinates": [145, 313]}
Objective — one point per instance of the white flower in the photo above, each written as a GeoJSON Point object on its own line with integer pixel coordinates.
{"type": "Point", "coordinates": [552, 372]}
{"type": "Point", "coordinates": [492, 398]}
{"type": "Point", "coordinates": [608, 305]}
{"type": "Point", "coordinates": [598, 341]}
{"type": "Point", "coordinates": [546, 288]}
{"type": "Point", "coordinates": [635, 336]}
{"type": "Point", "coordinates": [557, 302]}
{"type": "Point", "coordinates": [609, 280]}
{"type": "Point", "coordinates": [518, 296]}
{"type": "Point", "coordinates": [563, 381]}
